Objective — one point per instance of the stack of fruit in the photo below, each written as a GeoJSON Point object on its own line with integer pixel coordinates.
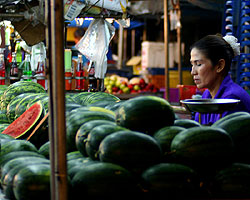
{"type": "Point", "coordinates": [117, 85]}
{"type": "Point", "coordinates": [116, 149]}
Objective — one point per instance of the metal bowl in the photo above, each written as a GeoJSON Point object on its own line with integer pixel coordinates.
{"type": "Point", "coordinates": [210, 105]}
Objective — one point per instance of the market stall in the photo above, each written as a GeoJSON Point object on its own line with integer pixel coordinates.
{"type": "Point", "coordinates": [96, 145]}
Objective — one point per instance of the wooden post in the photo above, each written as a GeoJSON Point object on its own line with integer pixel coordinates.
{"type": "Point", "coordinates": [120, 47]}
{"type": "Point", "coordinates": [125, 40]}
{"type": "Point", "coordinates": [166, 48]}
{"type": "Point", "coordinates": [56, 90]}
{"type": "Point", "coordinates": [179, 44]}
{"type": "Point", "coordinates": [132, 42]}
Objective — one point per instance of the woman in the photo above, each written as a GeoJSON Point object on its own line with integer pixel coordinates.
{"type": "Point", "coordinates": [211, 59]}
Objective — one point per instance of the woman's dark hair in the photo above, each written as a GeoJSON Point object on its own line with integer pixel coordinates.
{"type": "Point", "coordinates": [214, 47]}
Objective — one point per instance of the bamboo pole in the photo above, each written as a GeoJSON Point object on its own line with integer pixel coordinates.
{"type": "Point", "coordinates": [56, 90]}
{"type": "Point", "coordinates": [166, 47]}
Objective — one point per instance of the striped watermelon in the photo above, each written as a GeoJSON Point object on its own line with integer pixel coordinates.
{"type": "Point", "coordinates": [17, 88]}
{"type": "Point", "coordinates": [99, 96]}
{"type": "Point", "coordinates": [10, 112]}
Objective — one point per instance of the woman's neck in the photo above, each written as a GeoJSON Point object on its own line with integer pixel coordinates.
{"type": "Point", "coordinates": [216, 86]}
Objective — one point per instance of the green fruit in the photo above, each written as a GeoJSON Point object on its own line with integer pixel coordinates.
{"type": "Point", "coordinates": [164, 137]}
{"type": "Point", "coordinates": [170, 180]}
{"type": "Point", "coordinates": [32, 182]}
{"type": "Point", "coordinates": [103, 180]}
{"type": "Point", "coordinates": [133, 150]}
{"type": "Point", "coordinates": [79, 118]}
{"type": "Point", "coordinates": [238, 128]}
{"type": "Point", "coordinates": [17, 145]}
{"type": "Point", "coordinates": [186, 123]}
{"type": "Point", "coordinates": [83, 131]}
{"type": "Point", "coordinates": [145, 114]}
{"type": "Point", "coordinates": [22, 127]}
{"type": "Point", "coordinates": [232, 182]}
{"type": "Point", "coordinates": [205, 147]}
{"type": "Point", "coordinates": [95, 137]}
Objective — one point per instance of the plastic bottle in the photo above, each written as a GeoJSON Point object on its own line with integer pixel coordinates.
{"type": "Point", "coordinates": [79, 74]}
{"type": "Point", "coordinates": [14, 75]}
{"type": "Point", "coordinates": [92, 79]}
{"type": "Point", "coordinates": [40, 71]}
{"type": "Point", "coordinates": [27, 71]}
{"type": "Point", "coordinates": [2, 70]}
{"type": "Point", "coordinates": [18, 53]}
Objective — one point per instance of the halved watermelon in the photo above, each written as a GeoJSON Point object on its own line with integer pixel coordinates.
{"type": "Point", "coordinates": [24, 124]}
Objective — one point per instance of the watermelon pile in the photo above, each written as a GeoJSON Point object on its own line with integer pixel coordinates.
{"type": "Point", "coordinates": [117, 149]}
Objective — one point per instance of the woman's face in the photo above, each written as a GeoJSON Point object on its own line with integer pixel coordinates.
{"type": "Point", "coordinates": [203, 72]}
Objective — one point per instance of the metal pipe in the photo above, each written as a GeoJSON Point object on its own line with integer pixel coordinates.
{"type": "Point", "coordinates": [166, 47]}
{"type": "Point", "coordinates": [57, 101]}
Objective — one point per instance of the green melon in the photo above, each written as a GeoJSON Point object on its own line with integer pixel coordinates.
{"type": "Point", "coordinates": [77, 119]}
{"type": "Point", "coordinates": [32, 182]}
{"type": "Point", "coordinates": [164, 137]}
{"type": "Point", "coordinates": [132, 150]}
{"type": "Point", "coordinates": [203, 148]}
{"type": "Point", "coordinates": [103, 181]}
{"type": "Point", "coordinates": [186, 123]}
{"type": "Point", "coordinates": [145, 114]}
{"type": "Point", "coordinates": [95, 137]}
{"type": "Point", "coordinates": [171, 180]}
{"type": "Point", "coordinates": [83, 131]}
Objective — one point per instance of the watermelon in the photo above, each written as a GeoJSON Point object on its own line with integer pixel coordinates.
{"type": "Point", "coordinates": [77, 119]}
{"type": "Point", "coordinates": [3, 126]}
{"type": "Point", "coordinates": [171, 180]}
{"type": "Point", "coordinates": [80, 97]}
{"type": "Point", "coordinates": [237, 126]}
{"type": "Point", "coordinates": [186, 123]}
{"type": "Point", "coordinates": [203, 148]}
{"type": "Point", "coordinates": [45, 150]}
{"type": "Point", "coordinates": [132, 150]}
{"type": "Point", "coordinates": [21, 107]}
{"type": "Point", "coordinates": [20, 87]}
{"type": "Point", "coordinates": [145, 114]}
{"type": "Point", "coordinates": [22, 127]}
{"type": "Point", "coordinates": [7, 182]}
{"type": "Point", "coordinates": [99, 96]}
{"type": "Point", "coordinates": [114, 105]}
{"type": "Point", "coordinates": [164, 137]}
{"type": "Point", "coordinates": [17, 145]}
{"type": "Point", "coordinates": [74, 155]}
{"type": "Point", "coordinates": [15, 154]}
{"type": "Point", "coordinates": [3, 117]}
{"type": "Point", "coordinates": [28, 159]}
{"type": "Point", "coordinates": [232, 182]}
{"type": "Point", "coordinates": [77, 161]}
{"type": "Point", "coordinates": [103, 181]}
{"type": "Point", "coordinates": [32, 182]}
{"type": "Point", "coordinates": [11, 108]}
{"type": "Point", "coordinates": [95, 137]}
{"type": "Point", "coordinates": [77, 167]}
{"type": "Point", "coordinates": [83, 131]}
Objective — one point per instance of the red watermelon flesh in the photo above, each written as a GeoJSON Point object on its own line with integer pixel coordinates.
{"type": "Point", "coordinates": [25, 122]}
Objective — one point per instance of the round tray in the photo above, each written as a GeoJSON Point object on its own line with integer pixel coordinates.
{"type": "Point", "coordinates": [210, 105]}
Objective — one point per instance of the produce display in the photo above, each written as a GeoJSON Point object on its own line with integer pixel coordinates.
{"type": "Point", "coordinates": [115, 84]}
{"type": "Point", "coordinates": [117, 149]}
